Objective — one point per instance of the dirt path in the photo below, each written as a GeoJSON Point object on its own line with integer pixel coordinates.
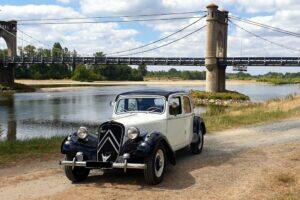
{"type": "Point", "coordinates": [261, 162]}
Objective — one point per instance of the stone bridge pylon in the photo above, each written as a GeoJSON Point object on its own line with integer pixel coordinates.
{"type": "Point", "coordinates": [8, 31]}
{"type": "Point", "coordinates": [216, 48]}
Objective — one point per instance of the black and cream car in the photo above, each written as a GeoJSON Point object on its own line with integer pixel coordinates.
{"type": "Point", "coordinates": [145, 131]}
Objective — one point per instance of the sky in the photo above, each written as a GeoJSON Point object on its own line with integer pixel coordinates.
{"type": "Point", "coordinates": [112, 37]}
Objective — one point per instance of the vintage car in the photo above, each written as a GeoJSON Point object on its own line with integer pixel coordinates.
{"type": "Point", "coordinates": [145, 131]}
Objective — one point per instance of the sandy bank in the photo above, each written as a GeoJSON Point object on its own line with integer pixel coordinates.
{"type": "Point", "coordinates": [49, 83]}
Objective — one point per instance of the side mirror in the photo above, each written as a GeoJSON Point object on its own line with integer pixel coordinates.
{"type": "Point", "coordinates": [111, 103]}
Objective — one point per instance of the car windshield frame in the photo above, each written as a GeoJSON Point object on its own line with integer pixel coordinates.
{"type": "Point", "coordinates": [138, 97]}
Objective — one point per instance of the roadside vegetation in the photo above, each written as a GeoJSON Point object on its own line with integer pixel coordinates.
{"type": "Point", "coordinates": [220, 117]}
{"type": "Point", "coordinates": [37, 148]}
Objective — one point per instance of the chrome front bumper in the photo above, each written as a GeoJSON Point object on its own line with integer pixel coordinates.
{"type": "Point", "coordinates": [92, 164]}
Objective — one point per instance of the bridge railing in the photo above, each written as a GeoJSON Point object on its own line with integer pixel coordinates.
{"type": "Point", "coordinates": [261, 61]}
{"type": "Point", "coordinates": [172, 61]}
{"type": "Point", "coordinates": [105, 60]}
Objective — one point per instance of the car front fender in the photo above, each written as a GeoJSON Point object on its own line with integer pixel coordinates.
{"type": "Point", "coordinates": [72, 144]}
{"type": "Point", "coordinates": [144, 146]}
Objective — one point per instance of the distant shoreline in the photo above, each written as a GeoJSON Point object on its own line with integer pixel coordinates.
{"type": "Point", "coordinates": [45, 85]}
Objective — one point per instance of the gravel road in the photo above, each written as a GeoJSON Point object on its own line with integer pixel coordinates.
{"type": "Point", "coordinates": [235, 164]}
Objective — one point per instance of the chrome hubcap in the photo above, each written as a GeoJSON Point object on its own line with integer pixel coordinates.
{"type": "Point", "coordinates": [159, 163]}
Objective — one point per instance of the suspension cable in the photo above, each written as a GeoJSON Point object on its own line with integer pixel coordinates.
{"type": "Point", "coordinates": [33, 38]}
{"type": "Point", "coordinates": [113, 16]}
{"type": "Point", "coordinates": [107, 21]}
{"type": "Point", "coordinates": [15, 35]}
{"type": "Point", "coordinates": [266, 26]}
{"type": "Point", "coordinates": [159, 40]}
{"type": "Point", "coordinates": [158, 47]}
{"type": "Point", "coordinates": [262, 38]}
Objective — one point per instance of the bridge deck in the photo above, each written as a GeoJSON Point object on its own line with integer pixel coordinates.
{"type": "Point", "coordinates": [172, 61]}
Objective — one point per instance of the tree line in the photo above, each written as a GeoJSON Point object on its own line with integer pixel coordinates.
{"type": "Point", "coordinates": [64, 71]}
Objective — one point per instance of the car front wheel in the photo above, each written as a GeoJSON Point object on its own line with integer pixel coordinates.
{"type": "Point", "coordinates": [196, 147]}
{"type": "Point", "coordinates": [155, 166]}
{"type": "Point", "coordinates": [75, 174]}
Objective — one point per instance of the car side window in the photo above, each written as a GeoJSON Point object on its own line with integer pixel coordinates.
{"type": "Point", "coordinates": [187, 105]}
{"type": "Point", "coordinates": [175, 106]}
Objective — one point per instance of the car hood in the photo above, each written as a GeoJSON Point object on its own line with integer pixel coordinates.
{"type": "Point", "coordinates": [146, 122]}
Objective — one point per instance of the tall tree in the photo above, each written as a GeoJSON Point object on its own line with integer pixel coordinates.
{"type": "Point", "coordinates": [57, 50]}
{"type": "Point", "coordinates": [142, 70]}
{"type": "Point", "coordinates": [99, 54]}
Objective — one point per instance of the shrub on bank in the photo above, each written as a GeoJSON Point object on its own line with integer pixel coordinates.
{"type": "Point", "coordinates": [228, 95]}
{"type": "Point", "coordinates": [16, 87]}
{"type": "Point", "coordinates": [81, 73]}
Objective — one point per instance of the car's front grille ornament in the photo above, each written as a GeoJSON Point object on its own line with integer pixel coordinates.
{"type": "Point", "coordinates": [109, 142]}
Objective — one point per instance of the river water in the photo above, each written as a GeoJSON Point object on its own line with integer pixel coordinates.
{"type": "Point", "coordinates": [45, 114]}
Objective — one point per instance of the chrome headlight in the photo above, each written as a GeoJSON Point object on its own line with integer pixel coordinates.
{"type": "Point", "coordinates": [82, 132]}
{"type": "Point", "coordinates": [133, 132]}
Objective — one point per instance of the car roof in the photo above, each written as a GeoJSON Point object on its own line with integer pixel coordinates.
{"type": "Point", "coordinates": [156, 92]}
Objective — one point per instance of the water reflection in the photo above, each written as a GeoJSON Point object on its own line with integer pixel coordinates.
{"type": "Point", "coordinates": [11, 132]}
{"type": "Point", "coordinates": [45, 114]}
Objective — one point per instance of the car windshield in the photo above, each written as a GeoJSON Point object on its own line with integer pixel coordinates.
{"type": "Point", "coordinates": [141, 104]}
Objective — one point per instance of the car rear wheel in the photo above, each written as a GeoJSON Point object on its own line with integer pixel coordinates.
{"type": "Point", "coordinates": [196, 147]}
{"type": "Point", "coordinates": [155, 166]}
{"type": "Point", "coordinates": [75, 174]}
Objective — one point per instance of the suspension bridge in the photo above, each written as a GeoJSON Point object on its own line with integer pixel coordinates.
{"type": "Point", "coordinates": [215, 59]}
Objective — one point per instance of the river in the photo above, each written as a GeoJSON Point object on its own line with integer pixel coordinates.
{"type": "Point", "coordinates": [45, 114]}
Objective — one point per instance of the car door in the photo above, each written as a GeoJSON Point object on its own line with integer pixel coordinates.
{"type": "Point", "coordinates": [176, 123]}
{"type": "Point", "coordinates": [188, 117]}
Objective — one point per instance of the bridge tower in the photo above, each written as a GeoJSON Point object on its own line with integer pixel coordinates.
{"type": "Point", "coordinates": [216, 48]}
{"type": "Point", "coordinates": [8, 31]}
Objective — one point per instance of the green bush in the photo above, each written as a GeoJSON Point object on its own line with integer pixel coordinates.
{"type": "Point", "coordinates": [196, 94]}
{"type": "Point", "coordinates": [81, 73]}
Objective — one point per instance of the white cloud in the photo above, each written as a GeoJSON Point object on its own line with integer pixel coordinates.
{"type": "Point", "coordinates": [85, 38]}
{"type": "Point", "coordinates": [64, 1]}
{"type": "Point", "coordinates": [110, 37]}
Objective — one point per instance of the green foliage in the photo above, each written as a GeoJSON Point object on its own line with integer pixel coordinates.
{"type": "Point", "coordinates": [239, 76]}
{"type": "Point", "coordinates": [196, 94]}
{"type": "Point", "coordinates": [271, 77]}
{"type": "Point", "coordinates": [118, 72]}
{"type": "Point", "coordinates": [16, 87]}
{"type": "Point", "coordinates": [11, 151]}
{"type": "Point", "coordinates": [237, 116]}
{"type": "Point", "coordinates": [42, 71]}
{"type": "Point", "coordinates": [173, 73]}
{"type": "Point", "coordinates": [81, 73]}
{"type": "Point", "coordinates": [3, 52]}
{"type": "Point", "coordinates": [99, 54]}
{"type": "Point", "coordinates": [142, 70]}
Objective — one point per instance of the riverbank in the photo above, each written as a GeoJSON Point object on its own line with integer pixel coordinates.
{"type": "Point", "coordinates": [216, 118]}
{"type": "Point", "coordinates": [227, 98]}
{"type": "Point", "coordinates": [70, 83]}
{"type": "Point", "coordinates": [221, 117]}
{"type": "Point", "coordinates": [16, 87]}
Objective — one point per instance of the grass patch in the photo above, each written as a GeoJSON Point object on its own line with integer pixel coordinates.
{"type": "Point", "coordinates": [233, 95]}
{"type": "Point", "coordinates": [16, 87]}
{"type": "Point", "coordinates": [237, 116]}
{"type": "Point", "coordinates": [279, 80]}
{"type": "Point", "coordinates": [13, 151]}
